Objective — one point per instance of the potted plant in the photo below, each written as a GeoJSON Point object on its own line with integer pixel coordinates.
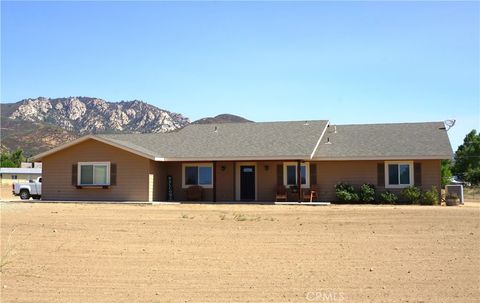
{"type": "Point", "coordinates": [452, 199]}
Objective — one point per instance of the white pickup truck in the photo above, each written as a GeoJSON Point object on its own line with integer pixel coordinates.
{"type": "Point", "coordinates": [26, 190]}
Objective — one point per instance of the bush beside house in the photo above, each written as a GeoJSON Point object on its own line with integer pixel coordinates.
{"type": "Point", "coordinates": [347, 194]}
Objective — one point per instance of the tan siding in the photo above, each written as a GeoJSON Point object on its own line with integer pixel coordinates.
{"type": "Point", "coordinates": [431, 174]}
{"type": "Point", "coordinates": [158, 181]}
{"type": "Point", "coordinates": [132, 174]}
{"type": "Point", "coordinates": [356, 173]}
{"type": "Point", "coordinates": [225, 181]}
{"type": "Point", "coordinates": [141, 179]}
{"type": "Point", "coordinates": [267, 180]}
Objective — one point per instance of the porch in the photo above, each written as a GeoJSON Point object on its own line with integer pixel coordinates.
{"type": "Point", "coordinates": [232, 181]}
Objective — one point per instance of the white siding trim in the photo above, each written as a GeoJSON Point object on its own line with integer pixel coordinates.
{"type": "Point", "coordinates": [79, 172]}
{"type": "Point", "coordinates": [206, 164]}
{"type": "Point", "coordinates": [238, 165]}
{"type": "Point", "coordinates": [381, 158]}
{"type": "Point", "coordinates": [319, 139]}
{"type": "Point", "coordinates": [307, 173]}
{"type": "Point", "coordinates": [411, 174]}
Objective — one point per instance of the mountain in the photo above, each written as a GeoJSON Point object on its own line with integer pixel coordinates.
{"type": "Point", "coordinates": [39, 124]}
{"type": "Point", "coordinates": [223, 118]}
{"type": "Point", "coordinates": [36, 125]}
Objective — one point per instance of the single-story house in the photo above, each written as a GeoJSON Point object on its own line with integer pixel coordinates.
{"type": "Point", "coordinates": [245, 161]}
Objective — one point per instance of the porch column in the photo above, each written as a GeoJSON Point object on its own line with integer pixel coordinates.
{"type": "Point", "coordinates": [299, 180]}
{"type": "Point", "coordinates": [234, 181]}
{"type": "Point", "coordinates": [214, 181]}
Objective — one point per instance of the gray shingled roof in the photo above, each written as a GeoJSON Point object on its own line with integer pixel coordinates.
{"type": "Point", "coordinates": [295, 139]}
{"type": "Point", "coordinates": [289, 140]}
{"type": "Point", "coordinates": [402, 140]}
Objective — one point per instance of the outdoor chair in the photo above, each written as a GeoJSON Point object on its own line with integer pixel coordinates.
{"type": "Point", "coordinates": [281, 193]}
{"type": "Point", "coordinates": [195, 193]}
{"type": "Point", "coordinates": [311, 194]}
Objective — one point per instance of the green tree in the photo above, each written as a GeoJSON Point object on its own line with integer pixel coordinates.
{"type": "Point", "coordinates": [446, 170]}
{"type": "Point", "coordinates": [17, 157]}
{"type": "Point", "coordinates": [13, 159]}
{"type": "Point", "coordinates": [467, 158]}
{"type": "Point", "coordinates": [5, 161]}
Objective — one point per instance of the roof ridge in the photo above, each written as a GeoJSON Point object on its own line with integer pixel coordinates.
{"type": "Point", "coordinates": [387, 123]}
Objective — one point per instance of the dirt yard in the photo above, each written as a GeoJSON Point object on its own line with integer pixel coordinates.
{"type": "Point", "coordinates": [209, 253]}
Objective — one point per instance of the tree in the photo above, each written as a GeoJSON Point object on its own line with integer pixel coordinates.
{"type": "Point", "coordinates": [446, 170]}
{"type": "Point", "coordinates": [467, 158]}
{"type": "Point", "coordinates": [5, 161]}
{"type": "Point", "coordinates": [17, 157]}
{"type": "Point", "coordinates": [13, 159]}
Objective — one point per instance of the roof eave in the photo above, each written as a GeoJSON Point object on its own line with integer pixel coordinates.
{"type": "Point", "coordinates": [91, 137]}
{"type": "Point", "coordinates": [373, 158]}
{"type": "Point", "coordinates": [238, 158]}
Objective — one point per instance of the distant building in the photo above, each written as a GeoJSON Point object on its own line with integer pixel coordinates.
{"type": "Point", "coordinates": [10, 175]}
{"type": "Point", "coordinates": [31, 165]}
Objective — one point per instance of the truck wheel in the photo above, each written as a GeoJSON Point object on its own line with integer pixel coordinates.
{"type": "Point", "coordinates": [24, 194]}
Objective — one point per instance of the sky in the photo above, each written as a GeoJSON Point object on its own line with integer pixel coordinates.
{"type": "Point", "coordinates": [348, 62]}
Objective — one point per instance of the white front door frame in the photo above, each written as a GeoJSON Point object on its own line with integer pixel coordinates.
{"type": "Point", "coordinates": [238, 167]}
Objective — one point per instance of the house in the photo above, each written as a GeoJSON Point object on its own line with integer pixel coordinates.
{"type": "Point", "coordinates": [245, 161]}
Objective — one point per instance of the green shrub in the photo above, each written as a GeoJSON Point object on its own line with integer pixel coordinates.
{"type": "Point", "coordinates": [430, 197]}
{"type": "Point", "coordinates": [387, 197]}
{"type": "Point", "coordinates": [411, 194]}
{"type": "Point", "coordinates": [347, 197]}
{"type": "Point", "coordinates": [367, 193]}
{"type": "Point", "coordinates": [344, 187]}
{"type": "Point", "coordinates": [346, 193]}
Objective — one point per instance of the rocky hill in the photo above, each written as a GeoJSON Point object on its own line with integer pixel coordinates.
{"type": "Point", "coordinates": [223, 118]}
{"type": "Point", "coordinates": [42, 123]}
{"type": "Point", "coordinates": [39, 124]}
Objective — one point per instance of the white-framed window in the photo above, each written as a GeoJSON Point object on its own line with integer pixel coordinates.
{"type": "Point", "coordinates": [398, 174]}
{"type": "Point", "coordinates": [290, 174]}
{"type": "Point", "coordinates": [197, 174]}
{"type": "Point", "coordinates": [14, 177]}
{"type": "Point", "coordinates": [93, 174]}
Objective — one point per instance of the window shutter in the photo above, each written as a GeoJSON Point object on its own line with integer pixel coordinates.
{"type": "Point", "coordinates": [417, 174]}
{"type": "Point", "coordinates": [381, 175]}
{"type": "Point", "coordinates": [313, 174]}
{"type": "Point", "coordinates": [279, 174]}
{"type": "Point", "coordinates": [74, 174]}
{"type": "Point", "coordinates": [113, 174]}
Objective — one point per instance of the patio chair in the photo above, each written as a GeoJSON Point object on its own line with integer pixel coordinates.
{"type": "Point", "coordinates": [311, 194]}
{"type": "Point", "coordinates": [281, 193]}
{"type": "Point", "coordinates": [195, 193]}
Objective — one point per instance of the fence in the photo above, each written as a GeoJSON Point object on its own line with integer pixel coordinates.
{"type": "Point", "coordinates": [471, 193]}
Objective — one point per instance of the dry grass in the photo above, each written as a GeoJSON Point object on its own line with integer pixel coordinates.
{"type": "Point", "coordinates": [7, 252]}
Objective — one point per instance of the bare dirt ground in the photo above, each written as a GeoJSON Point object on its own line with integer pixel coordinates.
{"type": "Point", "coordinates": [241, 253]}
{"type": "Point", "coordinates": [6, 193]}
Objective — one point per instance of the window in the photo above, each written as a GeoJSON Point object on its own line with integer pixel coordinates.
{"type": "Point", "coordinates": [94, 173]}
{"type": "Point", "coordinates": [14, 177]}
{"type": "Point", "coordinates": [398, 174]}
{"type": "Point", "coordinates": [290, 174]}
{"type": "Point", "coordinates": [198, 174]}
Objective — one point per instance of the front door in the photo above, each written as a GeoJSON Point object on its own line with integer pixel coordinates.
{"type": "Point", "coordinates": [247, 182]}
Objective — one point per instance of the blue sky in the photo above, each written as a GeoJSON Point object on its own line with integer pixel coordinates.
{"type": "Point", "coordinates": [349, 62]}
